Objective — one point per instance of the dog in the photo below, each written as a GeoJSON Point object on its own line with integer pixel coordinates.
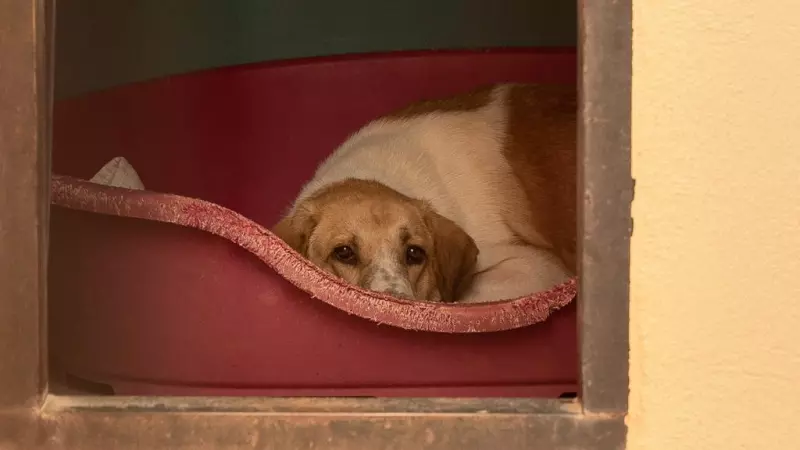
{"type": "Point", "coordinates": [469, 198]}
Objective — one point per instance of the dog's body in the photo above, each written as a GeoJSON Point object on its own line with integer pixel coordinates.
{"type": "Point", "coordinates": [499, 163]}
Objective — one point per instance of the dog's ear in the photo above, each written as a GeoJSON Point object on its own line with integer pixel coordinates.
{"type": "Point", "coordinates": [296, 228]}
{"type": "Point", "coordinates": [455, 255]}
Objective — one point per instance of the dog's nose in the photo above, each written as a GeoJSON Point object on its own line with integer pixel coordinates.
{"type": "Point", "coordinates": [398, 294]}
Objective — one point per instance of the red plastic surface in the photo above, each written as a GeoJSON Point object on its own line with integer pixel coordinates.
{"type": "Point", "coordinates": [157, 309]}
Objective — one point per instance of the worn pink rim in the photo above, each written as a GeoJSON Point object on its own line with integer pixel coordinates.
{"type": "Point", "coordinates": [73, 193]}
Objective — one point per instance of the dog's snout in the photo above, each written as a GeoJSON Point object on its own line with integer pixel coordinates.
{"type": "Point", "coordinates": [390, 280]}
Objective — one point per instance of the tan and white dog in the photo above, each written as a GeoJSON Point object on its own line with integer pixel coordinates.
{"type": "Point", "coordinates": [470, 198]}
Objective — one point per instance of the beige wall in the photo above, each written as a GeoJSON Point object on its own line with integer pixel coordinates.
{"type": "Point", "coordinates": [715, 290]}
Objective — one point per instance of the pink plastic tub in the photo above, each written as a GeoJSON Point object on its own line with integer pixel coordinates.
{"type": "Point", "coordinates": [180, 290]}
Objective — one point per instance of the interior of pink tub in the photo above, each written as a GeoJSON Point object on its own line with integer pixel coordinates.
{"type": "Point", "coordinates": [225, 151]}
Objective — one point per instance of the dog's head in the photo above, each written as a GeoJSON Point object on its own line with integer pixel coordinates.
{"type": "Point", "coordinates": [374, 237]}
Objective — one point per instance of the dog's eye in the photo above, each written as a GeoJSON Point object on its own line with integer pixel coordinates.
{"type": "Point", "coordinates": [415, 255]}
{"type": "Point", "coordinates": [345, 254]}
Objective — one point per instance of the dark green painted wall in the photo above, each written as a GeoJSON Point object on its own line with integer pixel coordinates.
{"type": "Point", "coordinates": [103, 43]}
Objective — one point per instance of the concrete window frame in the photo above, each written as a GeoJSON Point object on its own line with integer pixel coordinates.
{"type": "Point", "coordinates": [31, 418]}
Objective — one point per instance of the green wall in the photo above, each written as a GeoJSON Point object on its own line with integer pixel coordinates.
{"type": "Point", "coordinates": [103, 43]}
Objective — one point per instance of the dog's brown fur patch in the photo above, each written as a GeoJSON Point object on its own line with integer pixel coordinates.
{"type": "Point", "coordinates": [542, 150]}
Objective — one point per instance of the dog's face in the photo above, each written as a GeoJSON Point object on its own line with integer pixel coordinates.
{"type": "Point", "coordinates": [374, 237]}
